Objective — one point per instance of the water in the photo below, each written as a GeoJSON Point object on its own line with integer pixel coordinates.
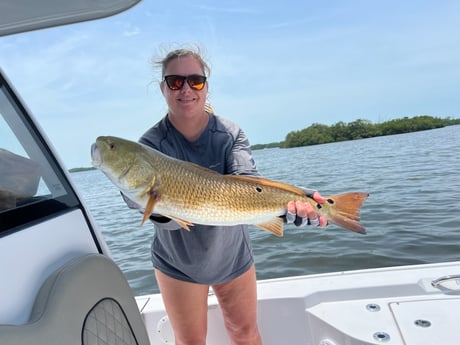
{"type": "Point", "coordinates": [412, 215]}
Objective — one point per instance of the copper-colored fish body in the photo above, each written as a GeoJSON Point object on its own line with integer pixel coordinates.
{"type": "Point", "coordinates": [191, 194]}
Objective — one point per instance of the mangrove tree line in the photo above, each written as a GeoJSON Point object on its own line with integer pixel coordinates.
{"type": "Point", "coordinates": [320, 134]}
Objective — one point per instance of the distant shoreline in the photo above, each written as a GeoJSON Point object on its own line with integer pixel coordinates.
{"type": "Point", "coordinates": [318, 134]}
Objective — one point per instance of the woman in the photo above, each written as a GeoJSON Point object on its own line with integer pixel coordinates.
{"type": "Point", "coordinates": [187, 263]}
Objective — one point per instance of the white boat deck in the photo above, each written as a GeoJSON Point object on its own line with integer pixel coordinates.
{"type": "Point", "coordinates": [380, 306]}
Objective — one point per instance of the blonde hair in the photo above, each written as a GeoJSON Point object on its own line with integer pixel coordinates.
{"type": "Point", "coordinates": [193, 51]}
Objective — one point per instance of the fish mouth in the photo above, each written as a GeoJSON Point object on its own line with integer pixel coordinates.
{"type": "Point", "coordinates": [96, 158]}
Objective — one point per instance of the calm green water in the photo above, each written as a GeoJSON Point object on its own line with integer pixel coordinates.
{"type": "Point", "coordinates": [412, 215]}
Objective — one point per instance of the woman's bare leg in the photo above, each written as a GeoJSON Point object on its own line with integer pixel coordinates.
{"type": "Point", "coordinates": [238, 300]}
{"type": "Point", "coordinates": [187, 307]}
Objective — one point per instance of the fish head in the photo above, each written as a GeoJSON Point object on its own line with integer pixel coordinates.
{"type": "Point", "coordinates": [122, 161]}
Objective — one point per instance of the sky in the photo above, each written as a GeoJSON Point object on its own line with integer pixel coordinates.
{"type": "Point", "coordinates": [276, 67]}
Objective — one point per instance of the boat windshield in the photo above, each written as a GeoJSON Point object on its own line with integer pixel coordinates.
{"type": "Point", "coordinates": [29, 176]}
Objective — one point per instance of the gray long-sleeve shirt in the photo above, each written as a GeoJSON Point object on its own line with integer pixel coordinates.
{"type": "Point", "coordinates": [206, 254]}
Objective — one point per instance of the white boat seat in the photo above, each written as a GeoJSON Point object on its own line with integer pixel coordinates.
{"type": "Point", "coordinates": [86, 302]}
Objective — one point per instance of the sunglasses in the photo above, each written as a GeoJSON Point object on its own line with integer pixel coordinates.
{"type": "Point", "coordinates": [176, 82]}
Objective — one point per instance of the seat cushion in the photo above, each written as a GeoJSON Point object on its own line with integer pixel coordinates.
{"type": "Point", "coordinates": [87, 299]}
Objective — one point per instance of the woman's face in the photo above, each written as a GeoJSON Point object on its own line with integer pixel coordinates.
{"type": "Point", "coordinates": [185, 102]}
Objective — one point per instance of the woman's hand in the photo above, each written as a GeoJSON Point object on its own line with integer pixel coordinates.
{"type": "Point", "coordinates": [303, 213]}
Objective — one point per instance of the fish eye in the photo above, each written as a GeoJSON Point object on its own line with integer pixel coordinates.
{"type": "Point", "coordinates": [111, 146]}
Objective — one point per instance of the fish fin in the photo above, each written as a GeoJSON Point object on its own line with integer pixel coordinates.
{"type": "Point", "coordinates": [151, 188]}
{"type": "Point", "coordinates": [153, 198]}
{"type": "Point", "coordinates": [275, 226]}
{"type": "Point", "coordinates": [183, 223]}
{"type": "Point", "coordinates": [270, 183]}
{"type": "Point", "coordinates": [344, 210]}
{"type": "Point", "coordinates": [149, 208]}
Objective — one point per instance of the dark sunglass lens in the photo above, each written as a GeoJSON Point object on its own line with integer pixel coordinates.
{"type": "Point", "coordinates": [196, 81]}
{"type": "Point", "coordinates": [175, 82]}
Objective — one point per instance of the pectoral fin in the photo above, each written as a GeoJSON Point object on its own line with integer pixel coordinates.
{"type": "Point", "coordinates": [149, 208]}
{"type": "Point", "coordinates": [275, 226]}
{"type": "Point", "coordinates": [153, 194]}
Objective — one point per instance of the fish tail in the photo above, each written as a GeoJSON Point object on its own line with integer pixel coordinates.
{"type": "Point", "coordinates": [344, 210]}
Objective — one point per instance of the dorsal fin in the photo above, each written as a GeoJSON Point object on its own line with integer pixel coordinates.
{"type": "Point", "coordinates": [270, 183]}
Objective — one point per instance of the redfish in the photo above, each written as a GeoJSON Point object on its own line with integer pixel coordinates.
{"type": "Point", "coordinates": [190, 194]}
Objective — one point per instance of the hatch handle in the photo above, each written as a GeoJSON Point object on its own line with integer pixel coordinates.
{"type": "Point", "coordinates": [453, 282]}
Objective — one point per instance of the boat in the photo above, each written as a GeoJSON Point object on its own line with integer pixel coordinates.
{"type": "Point", "coordinates": [60, 285]}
